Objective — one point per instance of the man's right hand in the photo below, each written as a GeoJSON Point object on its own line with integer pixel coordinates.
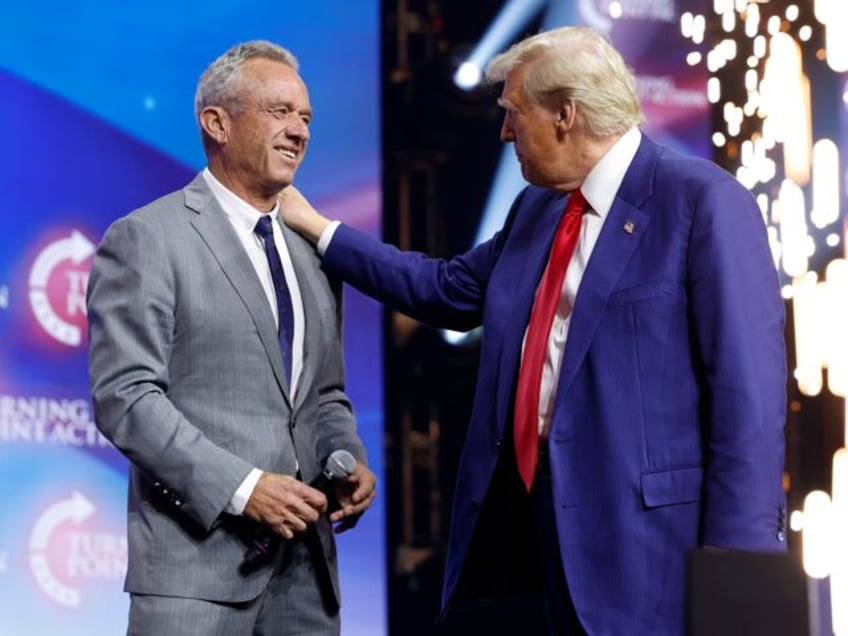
{"type": "Point", "coordinates": [284, 504]}
{"type": "Point", "coordinates": [300, 216]}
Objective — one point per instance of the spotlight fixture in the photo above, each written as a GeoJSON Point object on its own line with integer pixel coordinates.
{"type": "Point", "coordinates": [511, 19]}
{"type": "Point", "coordinates": [468, 75]}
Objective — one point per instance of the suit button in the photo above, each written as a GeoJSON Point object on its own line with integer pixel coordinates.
{"type": "Point", "coordinates": [781, 536]}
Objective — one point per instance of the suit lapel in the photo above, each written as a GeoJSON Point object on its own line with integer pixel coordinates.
{"type": "Point", "coordinates": [214, 228]}
{"type": "Point", "coordinates": [623, 228]}
{"type": "Point", "coordinates": [541, 236]}
{"type": "Point", "coordinates": [302, 255]}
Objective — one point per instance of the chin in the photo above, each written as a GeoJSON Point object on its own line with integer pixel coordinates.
{"type": "Point", "coordinates": [283, 178]}
{"type": "Point", "coordinates": [532, 179]}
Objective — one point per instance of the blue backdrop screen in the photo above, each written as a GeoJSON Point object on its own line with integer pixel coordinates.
{"type": "Point", "coordinates": [97, 102]}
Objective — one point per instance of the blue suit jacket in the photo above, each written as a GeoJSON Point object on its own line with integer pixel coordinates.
{"type": "Point", "coordinates": [667, 432]}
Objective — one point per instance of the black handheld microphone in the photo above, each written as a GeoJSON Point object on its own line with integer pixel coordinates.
{"type": "Point", "coordinates": [339, 465]}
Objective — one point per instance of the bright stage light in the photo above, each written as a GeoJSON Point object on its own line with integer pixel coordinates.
{"type": "Point", "coordinates": [468, 75]}
{"type": "Point", "coordinates": [512, 18]}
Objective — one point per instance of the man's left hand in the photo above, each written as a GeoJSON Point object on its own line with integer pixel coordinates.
{"type": "Point", "coordinates": [354, 495]}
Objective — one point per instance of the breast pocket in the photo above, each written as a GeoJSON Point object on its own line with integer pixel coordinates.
{"type": "Point", "coordinates": [640, 293]}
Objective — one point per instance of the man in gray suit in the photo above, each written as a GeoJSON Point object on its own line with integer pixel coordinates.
{"type": "Point", "coordinates": [216, 368]}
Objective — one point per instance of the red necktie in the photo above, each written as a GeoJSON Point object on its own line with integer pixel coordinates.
{"type": "Point", "coordinates": [526, 426]}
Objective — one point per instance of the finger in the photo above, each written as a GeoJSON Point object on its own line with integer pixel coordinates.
{"type": "Point", "coordinates": [297, 513]}
{"type": "Point", "coordinates": [362, 494]}
{"type": "Point", "coordinates": [346, 524]}
{"type": "Point", "coordinates": [304, 513]}
{"type": "Point", "coordinates": [290, 523]}
{"type": "Point", "coordinates": [343, 512]}
{"type": "Point", "coordinates": [307, 502]}
{"type": "Point", "coordinates": [285, 531]}
{"type": "Point", "coordinates": [352, 509]}
{"type": "Point", "coordinates": [312, 497]}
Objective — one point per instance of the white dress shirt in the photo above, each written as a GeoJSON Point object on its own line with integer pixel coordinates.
{"type": "Point", "coordinates": [244, 218]}
{"type": "Point", "coordinates": [599, 189]}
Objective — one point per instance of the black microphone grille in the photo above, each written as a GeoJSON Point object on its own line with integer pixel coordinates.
{"type": "Point", "coordinates": [340, 464]}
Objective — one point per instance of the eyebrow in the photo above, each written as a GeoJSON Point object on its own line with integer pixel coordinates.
{"type": "Point", "coordinates": [505, 103]}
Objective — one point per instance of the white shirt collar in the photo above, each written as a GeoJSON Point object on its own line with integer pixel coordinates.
{"type": "Point", "coordinates": [240, 211]}
{"type": "Point", "coordinates": [603, 181]}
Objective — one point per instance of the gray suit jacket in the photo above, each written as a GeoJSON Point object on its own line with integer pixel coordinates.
{"type": "Point", "coordinates": [187, 381]}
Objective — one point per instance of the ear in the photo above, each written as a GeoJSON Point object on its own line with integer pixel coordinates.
{"type": "Point", "coordinates": [566, 114]}
{"type": "Point", "coordinates": [215, 122]}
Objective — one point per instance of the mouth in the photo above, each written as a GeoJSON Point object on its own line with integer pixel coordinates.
{"type": "Point", "coordinates": [288, 153]}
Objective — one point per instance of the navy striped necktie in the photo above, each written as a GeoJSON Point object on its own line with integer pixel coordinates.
{"type": "Point", "coordinates": [285, 330]}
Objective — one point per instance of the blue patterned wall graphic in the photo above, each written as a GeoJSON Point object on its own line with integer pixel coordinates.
{"type": "Point", "coordinates": [97, 105]}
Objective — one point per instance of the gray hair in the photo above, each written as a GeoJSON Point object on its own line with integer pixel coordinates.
{"type": "Point", "coordinates": [220, 83]}
{"type": "Point", "coordinates": [575, 63]}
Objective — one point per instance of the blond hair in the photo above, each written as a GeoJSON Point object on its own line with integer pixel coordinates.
{"type": "Point", "coordinates": [580, 64]}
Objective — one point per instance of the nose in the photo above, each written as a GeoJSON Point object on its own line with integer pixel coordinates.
{"type": "Point", "coordinates": [298, 130]}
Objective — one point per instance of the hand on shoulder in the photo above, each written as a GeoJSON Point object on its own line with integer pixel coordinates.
{"type": "Point", "coordinates": [299, 215]}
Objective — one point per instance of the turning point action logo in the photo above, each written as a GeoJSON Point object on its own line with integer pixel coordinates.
{"type": "Point", "coordinates": [63, 553]}
{"type": "Point", "coordinates": [598, 13]}
{"type": "Point", "coordinates": [57, 285]}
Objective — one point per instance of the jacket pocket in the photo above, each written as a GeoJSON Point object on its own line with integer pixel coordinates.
{"type": "Point", "coordinates": [639, 293]}
{"type": "Point", "coordinates": [669, 487]}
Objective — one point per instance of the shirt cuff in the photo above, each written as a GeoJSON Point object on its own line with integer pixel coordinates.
{"type": "Point", "coordinates": [327, 236]}
{"type": "Point", "coordinates": [237, 504]}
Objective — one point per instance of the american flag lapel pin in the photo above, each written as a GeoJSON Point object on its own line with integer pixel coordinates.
{"type": "Point", "coordinates": [629, 226]}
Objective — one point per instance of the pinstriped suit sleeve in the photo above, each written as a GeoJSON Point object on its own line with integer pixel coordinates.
{"type": "Point", "coordinates": [336, 423]}
{"type": "Point", "coordinates": [131, 308]}
{"type": "Point", "coordinates": [738, 318]}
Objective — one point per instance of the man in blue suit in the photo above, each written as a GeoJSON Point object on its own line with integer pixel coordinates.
{"type": "Point", "coordinates": [658, 400]}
